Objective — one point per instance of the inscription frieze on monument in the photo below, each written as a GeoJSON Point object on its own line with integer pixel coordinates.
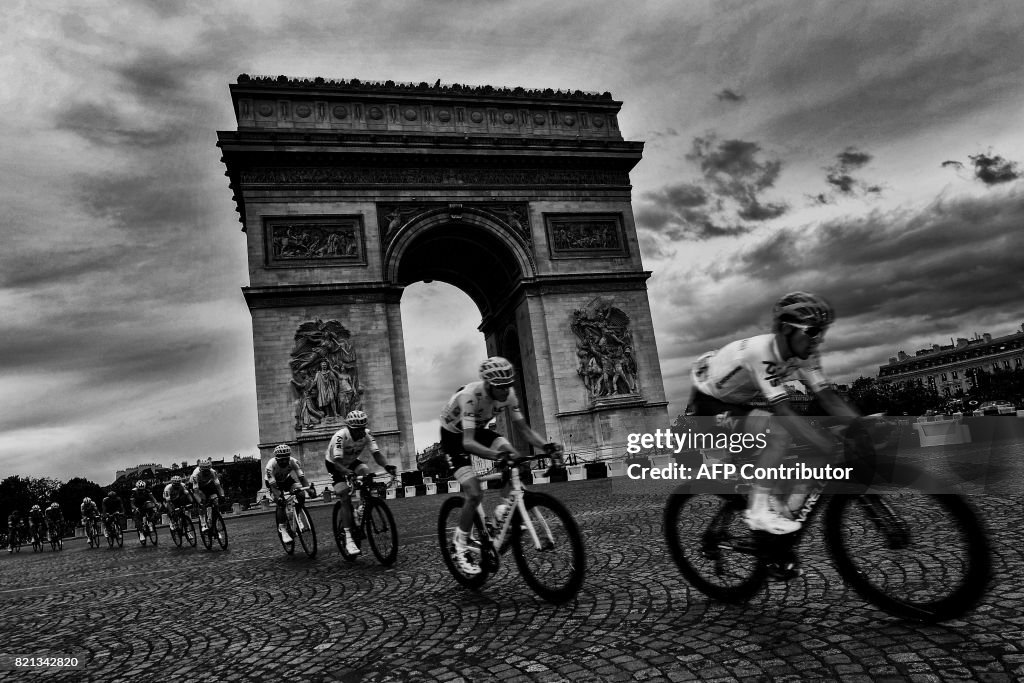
{"type": "Point", "coordinates": [325, 375]}
{"type": "Point", "coordinates": [314, 240]}
{"type": "Point", "coordinates": [585, 235]}
{"type": "Point", "coordinates": [391, 218]}
{"type": "Point", "coordinates": [430, 176]}
{"type": "Point", "coordinates": [606, 361]}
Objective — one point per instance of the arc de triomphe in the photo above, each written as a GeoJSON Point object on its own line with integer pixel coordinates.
{"type": "Point", "coordinates": [349, 191]}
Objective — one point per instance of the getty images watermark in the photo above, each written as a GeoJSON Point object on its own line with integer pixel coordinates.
{"type": "Point", "coordinates": [711, 469]}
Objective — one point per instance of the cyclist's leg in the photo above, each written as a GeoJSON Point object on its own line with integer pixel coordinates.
{"type": "Point", "coordinates": [202, 500]}
{"type": "Point", "coordinates": [768, 497]}
{"type": "Point", "coordinates": [341, 489]}
{"type": "Point", "coordinates": [278, 497]}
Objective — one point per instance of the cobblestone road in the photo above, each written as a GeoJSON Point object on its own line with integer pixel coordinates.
{"type": "Point", "coordinates": [253, 613]}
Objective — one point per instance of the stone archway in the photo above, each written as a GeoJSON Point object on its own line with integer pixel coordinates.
{"type": "Point", "coordinates": [350, 191]}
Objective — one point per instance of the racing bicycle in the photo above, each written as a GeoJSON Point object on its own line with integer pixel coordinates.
{"type": "Point", "coordinates": [149, 527]}
{"type": "Point", "coordinates": [37, 539]}
{"type": "Point", "coordinates": [182, 528]}
{"type": "Point", "coordinates": [372, 520]}
{"type": "Point", "coordinates": [93, 532]}
{"type": "Point", "coordinates": [298, 523]}
{"type": "Point", "coordinates": [545, 541]}
{"type": "Point", "coordinates": [55, 538]}
{"type": "Point", "coordinates": [916, 554]}
{"type": "Point", "coordinates": [114, 532]}
{"type": "Point", "coordinates": [212, 523]}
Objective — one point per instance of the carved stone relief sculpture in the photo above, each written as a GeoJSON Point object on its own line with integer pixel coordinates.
{"type": "Point", "coordinates": [325, 375]}
{"type": "Point", "coordinates": [604, 349]}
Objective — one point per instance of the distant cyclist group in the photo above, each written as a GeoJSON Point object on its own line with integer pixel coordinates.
{"type": "Point", "coordinates": [741, 388]}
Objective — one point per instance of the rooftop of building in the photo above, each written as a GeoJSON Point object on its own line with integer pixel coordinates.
{"type": "Point", "coordinates": [938, 352]}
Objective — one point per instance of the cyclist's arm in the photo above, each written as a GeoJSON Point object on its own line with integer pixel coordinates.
{"type": "Point", "coordinates": [379, 458]}
{"type": "Point", "coordinates": [535, 439]}
{"type": "Point", "coordinates": [801, 428]}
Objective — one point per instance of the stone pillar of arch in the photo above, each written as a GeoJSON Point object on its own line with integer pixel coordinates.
{"type": "Point", "coordinates": [348, 192]}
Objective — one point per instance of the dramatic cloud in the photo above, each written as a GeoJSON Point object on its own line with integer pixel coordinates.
{"type": "Point", "coordinates": [993, 170]}
{"type": "Point", "coordinates": [728, 95]}
{"type": "Point", "coordinates": [840, 176]}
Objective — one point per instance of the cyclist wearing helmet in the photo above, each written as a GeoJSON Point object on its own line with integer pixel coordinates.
{"type": "Point", "coordinates": [112, 505]}
{"type": "Point", "coordinates": [55, 519]}
{"type": "Point", "coordinates": [176, 496]}
{"type": "Point", "coordinates": [142, 502]}
{"type": "Point", "coordinates": [14, 529]}
{"type": "Point", "coordinates": [464, 433]}
{"type": "Point", "coordinates": [284, 474]}
{"type": "Point", "coordinates": [206, 487]}
{"type": "Point", "coordinates": [343, 458]}
{"type": "Point", "coordinates": [88, 511]}
{"type": "Point", "coordinates": [725, 381]}
{"type": "Point", "coordinates": [36, 521]}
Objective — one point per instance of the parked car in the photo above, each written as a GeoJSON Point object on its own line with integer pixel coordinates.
{"type": "Point", "coordinates": [996, 408]}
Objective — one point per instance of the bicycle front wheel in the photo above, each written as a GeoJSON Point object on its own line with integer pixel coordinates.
{"type": "Point", "coordinates": [119, 535]}
{"type": "Point", "coordinates": [550, 556]}
{"type": "Point", "coordinates": [916, 555]}
{"type": "Point", "coordinates": [381, 532]}
{"type": "Point", "coordinates": [221, 529]}
{"type": "Point", "coordinates": [305, 531]}
{"type": "Point", "coordinates": [207, 533]}
{"type": "Point", "coordinates": [447, 524]}
{"type": "Point", "coordinates": [711, 544]}
{"type": "Point", "coordinates": [289, 547]}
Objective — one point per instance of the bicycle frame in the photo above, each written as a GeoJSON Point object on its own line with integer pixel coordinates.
{"type": "Point", "coordinates": [517, 495]}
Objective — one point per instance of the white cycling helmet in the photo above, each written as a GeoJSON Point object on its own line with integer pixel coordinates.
{"type": "Point", "coordinates": [357, 419]}
{"type": "Point", "coordinates": [497, 371]}
{"type": "Point", "coordinates": [803, 308]}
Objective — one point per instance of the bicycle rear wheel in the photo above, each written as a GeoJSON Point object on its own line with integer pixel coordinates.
{"type": "Point", "coordinates": [221, 529]}
{"type": "Point", "coordinates": [554, 563]}
{"type": "Point", "coordinates": [381, 532]}
{"type": "Point", "coordinates": [176, 531]}
{"type": "Point", "coordinates": [339, 533]}
{"type": "Point", "coordinates": [151, 531]}
{"type": "Point", "coordinates": [916, 555]}
{"type": "Point", "coordinates": [711, 544]}
{"type": "Point", "coordinates": [305, 531]}
{"type": "Point", "coordinates": [118, 535]}
{"type": "Point", "coordinates": [447, 523]}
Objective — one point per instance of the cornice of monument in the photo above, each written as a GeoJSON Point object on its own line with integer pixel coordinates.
{"type": "Point", "coordinates": [444, 90]}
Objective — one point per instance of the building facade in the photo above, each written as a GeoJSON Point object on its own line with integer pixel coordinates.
{"type": "Point", "coordinates": [952, 371]}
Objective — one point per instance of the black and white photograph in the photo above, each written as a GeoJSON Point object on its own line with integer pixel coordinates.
{"type": "Point", "coordinates": [512, 341]}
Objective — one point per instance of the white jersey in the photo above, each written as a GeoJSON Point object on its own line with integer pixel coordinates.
{"type": "Point", "coordinates": [275, 474]}
{"type": "Point", "coordinates": [749, 368]}
{"type": "Point", "coordinates": [343, 450]}
{"type": "Point", "coordinates": [471, 408]}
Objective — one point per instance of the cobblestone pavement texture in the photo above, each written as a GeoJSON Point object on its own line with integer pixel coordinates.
{"type": "Point", "coordinates": [253, 613]}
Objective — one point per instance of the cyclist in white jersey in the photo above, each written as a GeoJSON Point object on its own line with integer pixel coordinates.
{"type": "Point", "coordinates": [726, 380]}
{"type": "Point", "coordinates": [464, 432]}
{"type": "Point", "coordinates": [342, 459]}
{"type": "Point", "coordinates": [283, 475]}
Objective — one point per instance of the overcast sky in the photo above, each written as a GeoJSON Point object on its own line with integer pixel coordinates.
{"type": "Point", "coordinates": [860, 150]}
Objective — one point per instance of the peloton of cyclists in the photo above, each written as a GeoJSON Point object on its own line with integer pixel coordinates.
{"type": "Point", "coordinates": [464, 433]}
{"type": "Point", "coordinates": [726, 380]}
{"type": "Point", "coordinates": [343, 458]}
{"type": "Point", "coordinates": [142, 502]}
{"type": "Point", "coordinates": [206, 487]}
{"type": "Point", "coordinates": [283, 475]}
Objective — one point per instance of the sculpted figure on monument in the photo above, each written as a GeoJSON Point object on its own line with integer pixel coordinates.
{"type": "Point", "coordinates": [605, 350]}
{"type": "Point", "coordinates": [324, 374]}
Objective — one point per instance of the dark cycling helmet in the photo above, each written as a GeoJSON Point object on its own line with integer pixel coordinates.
{"type": "Point", "coordinates": [497, 371]}
{"type": "Point", "coordinates": [357, 419]}
{"type": "Point", "coordinates": [111, 493]}
{"type": "Point", "coordinates": [804, 309]}
{"type": "Point", "coordinates": [283, 452]}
